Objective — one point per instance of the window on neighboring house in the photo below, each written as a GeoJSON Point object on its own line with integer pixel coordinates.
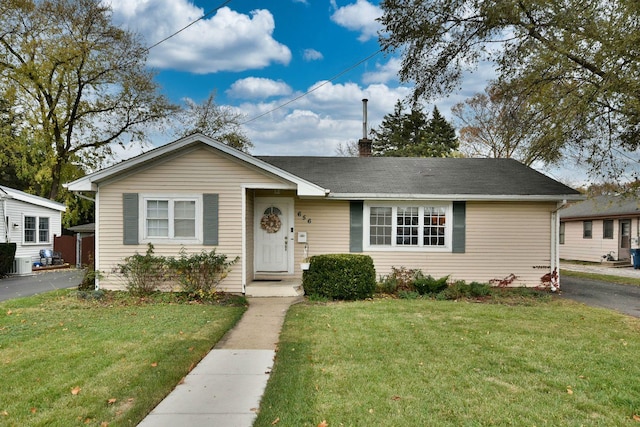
{"type": "Point", "coordinates": [587, 228]}
{"type": "Point", "coordinates": [171, 217]}
{"type": "Point", "coordinates": [607, 229]}
{"type": "Point", "coordinates": [406, 226]}
{"type": "Point", "coordinates": [562, 233]}
{"type": "Point", "coordinates": [36, 229]}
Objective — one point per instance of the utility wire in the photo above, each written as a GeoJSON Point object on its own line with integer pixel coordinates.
{"type": "Point", "coordinates": [313, 89]}
{"type": "Point", "coordinates": [206, 15]}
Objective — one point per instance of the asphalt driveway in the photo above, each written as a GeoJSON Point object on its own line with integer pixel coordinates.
{"type": "Point", "coordinates": [22, 286]}
{"type": "Point", "coordinates": [623, 298]}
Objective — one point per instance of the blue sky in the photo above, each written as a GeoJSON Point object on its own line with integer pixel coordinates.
{"type": "Point", "coordinates": [257, 56]}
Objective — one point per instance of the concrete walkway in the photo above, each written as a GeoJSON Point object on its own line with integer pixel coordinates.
{"type": "Point", "coordinates": [226, 387]}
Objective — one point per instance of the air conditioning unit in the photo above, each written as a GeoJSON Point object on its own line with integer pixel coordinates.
{"type": "Point", "coordinates": [22, 266]}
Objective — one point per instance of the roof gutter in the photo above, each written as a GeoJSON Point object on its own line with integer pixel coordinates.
{"type": "Point", "coordinates": [468, 197]}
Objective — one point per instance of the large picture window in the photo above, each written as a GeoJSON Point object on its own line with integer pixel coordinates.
{"type": "Point", "coordinates": [415, 226]}
{"type": "Point", "coordinates": [171, 218]}
{"type": "Point", "coordinates": [36, 229]}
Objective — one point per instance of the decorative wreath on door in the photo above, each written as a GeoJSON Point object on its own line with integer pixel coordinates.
{"type": "Point", "coordinates": [270, 223]}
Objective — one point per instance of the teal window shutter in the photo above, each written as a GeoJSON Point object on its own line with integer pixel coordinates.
{"type": "Point", "coordinates": [130, 218]}
{"type": "Point", "coordinates": [459, 227]}
{"type": "Point", "coordinates": [210, 218]}
{"type": "Point", "coordinates": [356, 211]}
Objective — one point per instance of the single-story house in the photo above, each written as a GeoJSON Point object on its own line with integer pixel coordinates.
{"type": "Point", "coordinates": [602, 228]}
{"type": "Point", "coordinates": [471, 219]}
{"type": "Point", "coordinates": [31, 222]}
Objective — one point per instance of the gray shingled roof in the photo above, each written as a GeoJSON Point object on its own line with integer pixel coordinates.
{"type": "Point", "coordinates": [426, 176]}
{"type": "Point", "coordinates": [602, 206]}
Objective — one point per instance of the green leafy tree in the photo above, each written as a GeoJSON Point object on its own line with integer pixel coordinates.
{"type": "Point", "coordinates": [218, 122]}
{"type": "Point", "coordinates": [79, 84]}
{"type": "Point", "coordinates": [498, 124]}
{"type": "Point", "coordinates": [576, 63]}
{"type": "Point", "coordinates": [413, 134]}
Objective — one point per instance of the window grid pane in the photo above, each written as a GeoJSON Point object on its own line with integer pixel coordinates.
{"type": "Point", "coordinates": [43, 230]}
{"type": "Point", "coordinates": [30, 229]}
{"type": "Point", "coordinates": [407, 226]}
{"type": "Point", "coordinates": [184, 218]}
{"type": "Point", "coordinates": [158, 218]}
{"type": "Point", "coordinates": [607, 229]}
{"type": "Point", "coordinates": [434, 226]}
{"type": "Point", "coordinates": [380, 221]}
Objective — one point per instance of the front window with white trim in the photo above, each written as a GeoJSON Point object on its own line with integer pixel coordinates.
{"type": "Point", "coordinates": [36, 229]}
{"type": "Point", "coordinates": [410, 226]}
{"type": "Point", "coordinates": [171, 218]}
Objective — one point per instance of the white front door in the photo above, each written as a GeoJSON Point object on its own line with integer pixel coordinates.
{"type": "Point", "coordinates": [273, 222]}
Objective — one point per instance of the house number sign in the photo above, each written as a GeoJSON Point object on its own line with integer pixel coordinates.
{"type": "Point", "coordinates": [304, 217]}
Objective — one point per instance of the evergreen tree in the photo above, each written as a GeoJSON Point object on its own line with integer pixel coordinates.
{"type": "Point", "coordinates": [413, 134]}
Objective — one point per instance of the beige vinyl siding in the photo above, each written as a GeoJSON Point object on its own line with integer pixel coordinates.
{"type": "Point", "coordinates": [502, 238]}
{"type": "Point", "coordinates": [328, 231]}
{"type": "Point", "coordinates": [194, 172]}
{"type": "Point", "coordinates": [576, 247]}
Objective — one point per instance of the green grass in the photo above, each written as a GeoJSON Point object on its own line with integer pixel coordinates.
{"type": "Point", "coordinates": [421, 362]}
{"type": "Point", "coordinates": [123, 356]}
{"type": "Point", "coordinates": [620, 280]}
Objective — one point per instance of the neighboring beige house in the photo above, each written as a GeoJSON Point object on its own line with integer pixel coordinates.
{"type": "Point", "coordinates": [472, 219]}
{"type": "Point", "coordinates": [602, 228]}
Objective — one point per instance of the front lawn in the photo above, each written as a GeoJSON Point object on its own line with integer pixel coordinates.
{"type": "Point", "coordinates": [443, 363]}
{"type": "Point", "coordinates": [65, 361]}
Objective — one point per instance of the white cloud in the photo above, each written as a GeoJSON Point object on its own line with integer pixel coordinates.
{"type": "Point", "coordinates": [384, 72]}
{"type": "Point", "coordinates": [360, 16]}
{"type": "Point", "coordinates": [258, 88]}
{"type": "Point", "coordinates": [227, 41]}
{"type": "Point", "coordinates": [311, 55]}
{"type": "Point", "coordinates": [317, 123]}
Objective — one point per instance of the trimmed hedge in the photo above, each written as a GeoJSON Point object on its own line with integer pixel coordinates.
{"type": "Point", "coordinates": [340, 277]}
{"type": "Point", "coordinates": [7, 255]}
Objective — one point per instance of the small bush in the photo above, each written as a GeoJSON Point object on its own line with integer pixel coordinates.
{"type": "Point", "coordinates": [460, 289]}
{"type": "Point", "coordinates": [427, 285]}
{"type": "Point", "coordinates": [387, 285]}
{"type": "Point", "coordinates": [88, 282]}
{"type": "Point", "coordinates": [7, 255]}
{"type": "Point", "coordinates": [144, 273]}
{"type": "Point", "coordinates": [408, 294]}
{"type": "Point", "coordinates": [340, 276]}
{"type": "Point", "coordinates": [404, 278]}
{"type": "Point", "coordinates": [200, 274]}
{"type": "Point", "coordinates": [479, 289]}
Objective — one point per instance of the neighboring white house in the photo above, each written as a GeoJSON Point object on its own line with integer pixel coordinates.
{"type": "Point", "coordinates": [29, 221]}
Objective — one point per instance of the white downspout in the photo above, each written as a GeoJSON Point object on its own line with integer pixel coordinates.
{"type": "Point", "coordinates": [555, 247]}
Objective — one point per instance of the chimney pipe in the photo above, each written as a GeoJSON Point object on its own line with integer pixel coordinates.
{"type": "Point", "coordinates": [364, 118]}
{"type": "Point", "coordinates": [364, 145]}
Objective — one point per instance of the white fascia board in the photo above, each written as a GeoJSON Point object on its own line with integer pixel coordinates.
{"type": "Point", "coordinates": [33, 200]}
{"type": "Point", "coordinates": [449, 197]}
{"type": "Point", "coordinates": [89, 182]}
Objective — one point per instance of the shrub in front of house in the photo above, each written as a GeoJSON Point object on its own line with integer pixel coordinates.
{"type": "Point", "coordinates": [7, 255]}
{"type": "Point", "coordinates": [427, 285]}
{"type": "Point", "coordinates": [144, 274]}
{"type": "Point", "coordinates": [460, 289]}
{"type": "Point", "coordinates": [340, 277]}
{"type": "Point", "coordinates": [199, 274]}
{"type": "Point", "coordinates": [405, 281]}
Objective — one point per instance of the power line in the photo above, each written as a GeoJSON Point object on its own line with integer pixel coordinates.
{"type": "Point", "coordinates": [206, 15]}
{"type": "Point", "coordinates": [313, 89]}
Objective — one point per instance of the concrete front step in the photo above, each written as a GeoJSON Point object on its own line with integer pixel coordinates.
{"type": "Point", "coordinates": [284, 288]}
